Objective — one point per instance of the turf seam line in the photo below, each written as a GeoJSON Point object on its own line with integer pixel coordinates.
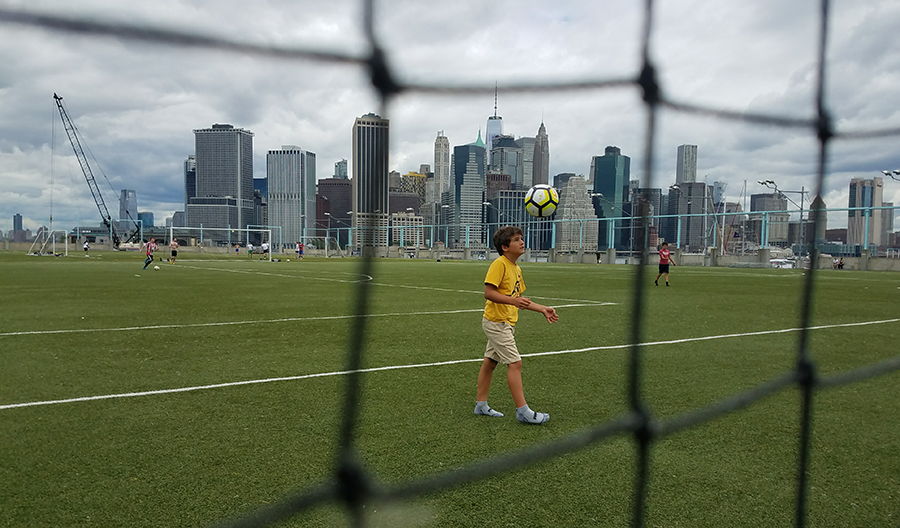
{"type": "Point", "coordinates": [369, 278]}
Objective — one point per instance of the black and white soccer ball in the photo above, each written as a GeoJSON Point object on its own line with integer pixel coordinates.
{"type": "Point", "coordinates": [541, 200]}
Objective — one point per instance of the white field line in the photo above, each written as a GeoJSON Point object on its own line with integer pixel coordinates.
{"type": "Point", "coordinates": [421, 365]}
{"type": "Point", "coordinates": [261, 321]}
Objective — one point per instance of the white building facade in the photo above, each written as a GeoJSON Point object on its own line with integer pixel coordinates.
{"type": "Point", "coordinates": [576, 222]}
{"type": "Point", "coordinates": [686, 164]}
{"type": "Point", "coordinates": [291, 174]}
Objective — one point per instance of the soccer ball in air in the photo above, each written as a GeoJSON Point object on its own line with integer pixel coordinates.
{"type": "Point", "coordinates": [541, 200]}
{"type": "Point", "coordinates": [156, 268]}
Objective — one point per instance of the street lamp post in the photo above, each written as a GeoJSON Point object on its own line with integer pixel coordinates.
{"type": "Point", "coordinates": [440, 221]}
{"type": "Point", "coordinates": [350, 231]}
{"type": "Point", "coordinates": [774, 186]}
{"type": "Point", "coordinates": [487, 240]}
{"type": "Point", "coordinates": [302, 229]}
{"type": "Point", "coordinates": [409, 214]}
{"type": "Point", "coordinates": [338, 229]}
{"type": "Point", "coordinates": [500, 215]}
{"type": "Point", "coordinates": [327, 233]}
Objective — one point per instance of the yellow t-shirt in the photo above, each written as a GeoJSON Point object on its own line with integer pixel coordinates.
{"type": "Point", "coordinates": [507, 277]}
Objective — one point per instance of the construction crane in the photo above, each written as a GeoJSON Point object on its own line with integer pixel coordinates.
{"type": "Point", "coordinates": [88, 173]}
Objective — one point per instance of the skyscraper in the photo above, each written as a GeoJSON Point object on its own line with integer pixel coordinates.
{"type": "Point", "coordinates": [414, 182]}
{"type": "Point", "coordinates": [814, 234]}
{"type": "Point", "coordinates": [887, 223]}
{"type": "Point", "coordinates": [774, 230]}
{"type": "Point", "coordinates": [340, 170]}
{"type": "Point", "coordinates": [865, 193]}
{"type": "Point", "coordinates": [574, 206]}
{"type": "Point", "coordinates": [146, 219]}
{"type": "Point", "coordinates": [686, 164]}
{"type": "Point", "coordinates": [190, 179]}
{"type": "Point", "coordinates": [17, 223]}
{"type": "Point", "coordinates": [338, 192]}
{"type": "Point", "coordinates": [691, 198]}
{"type": "Point", "coordinates": [718, 193]}
{"type": "Point", "coordinates": [370, 159]}
{"type": "Point", "coordinates": [507, 157]}
{"type": "Point", "coordinates": [127, 206]}
{"type": "Point", "coordinates": [261, 186]}
{"type": "Point", "coordinates": [527, 145]}
{"type": "Point", "coordinates": [291, 190]}
{"type": "Point", "coordinates": [611, 174]}
{"type": "Point", "coordinates": [494, 127]}
{"type": "Point", "coordinates": [541, 170]}
{"type": "Point", "coordinates": [655, 200]}
{"type": "Point", "coordinates": [441, 166]}
{"type": "Point", "coordinates": [224, 157]}
{"type": "Point", "coordinates": [468, 195]}
{"type": "Point", "coordinates": [494, 183]}
{"type": "Point", "coordinates": [128, 211]}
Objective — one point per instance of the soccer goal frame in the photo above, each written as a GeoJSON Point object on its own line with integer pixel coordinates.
{"type": "Point", "coordinates": [234, 235]}
{"type": "Point", "coordinates": [50, 239]}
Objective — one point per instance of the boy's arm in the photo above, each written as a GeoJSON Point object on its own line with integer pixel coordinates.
{"type": "Point", "coordinates": [548, 311]}
{"type": "Point", "coordinates": [491, 294]}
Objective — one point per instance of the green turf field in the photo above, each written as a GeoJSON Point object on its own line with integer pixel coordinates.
{"type": "Point", "coordinates": [76, 328]}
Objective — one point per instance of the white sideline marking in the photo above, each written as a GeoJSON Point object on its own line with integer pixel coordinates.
{"type": "Point", "coordinates": [419, 365]}
{"type": "Point", "coordinates": [261, 321]}
{"type": "Point", "coordinates": [709, 338]}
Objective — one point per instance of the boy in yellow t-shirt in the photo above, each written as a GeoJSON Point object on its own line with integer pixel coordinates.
{"type": "Point", "coordinates": [503, 287]}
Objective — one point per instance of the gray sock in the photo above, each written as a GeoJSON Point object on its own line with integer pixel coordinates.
{"type": "Point", "coordinates": [483, 408]}
{"type": "Point", "coordinates": [526, 415]}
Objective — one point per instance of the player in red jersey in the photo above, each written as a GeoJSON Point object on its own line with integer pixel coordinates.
{"type": "Point", "coordinates": [664, 260]}
{"type": "Point", "coordinates": [149, 247]}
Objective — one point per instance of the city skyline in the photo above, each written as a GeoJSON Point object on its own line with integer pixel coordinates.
{"type": "Point", "coordinates": [135, 107]}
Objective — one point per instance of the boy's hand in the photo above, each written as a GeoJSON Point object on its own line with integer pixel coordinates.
{"type": "Point", "coordinates": [550, 314]}
{"type": "Point", "coordinates": [521, 302]}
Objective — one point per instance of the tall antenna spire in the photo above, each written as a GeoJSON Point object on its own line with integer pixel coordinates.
{"type": "Point", "coordinates": [495, 98]}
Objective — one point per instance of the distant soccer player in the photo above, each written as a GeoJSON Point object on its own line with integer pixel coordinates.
{"type": "Point", "coordinates": [148, 249]}
{"type": "Point", "coordinates": [664, 260]}
{"type": "Point", "coordinates": [87, 247]}
{"type": "Point", "coordinates": [503, 287]}
{"type": "Point", "coordinates": [250, 249]}
{"type": "Point", "coordinates": [173, 251]}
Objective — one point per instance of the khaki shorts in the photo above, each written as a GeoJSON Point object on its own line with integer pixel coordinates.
{"type": "Point", "coordinates": [501, 345]}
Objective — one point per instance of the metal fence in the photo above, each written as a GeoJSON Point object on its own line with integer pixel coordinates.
{"type": "Point", "coordinates": [731, 233]}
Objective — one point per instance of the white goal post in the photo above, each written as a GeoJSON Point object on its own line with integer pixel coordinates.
{"type": "Point", "coordinates": [224, 237]}
{"type": "Point", "coordinates": [50, 238]}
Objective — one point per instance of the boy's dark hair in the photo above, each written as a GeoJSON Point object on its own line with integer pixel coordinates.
{"type": "Point", "coordinates": [503, 236]}
{"type": "Point", "coordinates": [664, 244]}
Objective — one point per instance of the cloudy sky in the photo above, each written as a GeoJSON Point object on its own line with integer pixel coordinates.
{"type": "Point", "coordinates": [136, 103]}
